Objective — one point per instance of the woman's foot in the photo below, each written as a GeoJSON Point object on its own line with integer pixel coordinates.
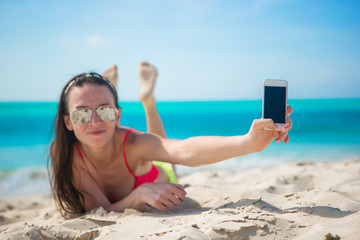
{"type": "Point", "coordinates": [148, 75]}
{"type": "Point", "coordinates": [111, 75]}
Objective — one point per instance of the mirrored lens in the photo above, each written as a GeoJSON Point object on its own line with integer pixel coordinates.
{"type": "Point", "coordinates": [81, 116]}
{"type": "Point", "coordinates": [107, 113]}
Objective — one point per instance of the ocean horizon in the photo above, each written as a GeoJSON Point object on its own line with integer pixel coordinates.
{"type": "Point", "coordinates": [323, 130]}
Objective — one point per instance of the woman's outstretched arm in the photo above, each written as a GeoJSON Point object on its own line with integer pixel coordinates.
{"type": "Point", "coordinates": [197, 151]}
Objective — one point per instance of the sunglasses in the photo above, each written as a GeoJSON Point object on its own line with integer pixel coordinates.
{"type": "Point", "coordinates": [107, 113]}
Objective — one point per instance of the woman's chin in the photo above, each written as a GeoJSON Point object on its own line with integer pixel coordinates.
{"type": "Point", "coordinates": [97, 141]}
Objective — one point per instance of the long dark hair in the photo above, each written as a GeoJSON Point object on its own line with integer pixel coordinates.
{"type": "Point", "coordinates": [68, 198]}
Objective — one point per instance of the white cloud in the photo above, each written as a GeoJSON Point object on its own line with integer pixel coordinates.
{"type": "Point", "coordinates": [94, 41]}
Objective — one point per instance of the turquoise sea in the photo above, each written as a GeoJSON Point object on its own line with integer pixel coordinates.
{"type": "Point", "coordinates": [323, 130]}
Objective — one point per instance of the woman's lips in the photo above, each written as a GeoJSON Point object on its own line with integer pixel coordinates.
{"type": "Point", "coordinates": [96, 132]}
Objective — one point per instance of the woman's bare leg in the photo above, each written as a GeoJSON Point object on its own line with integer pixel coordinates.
{"type": "Point", "coordinates": [148, 75]}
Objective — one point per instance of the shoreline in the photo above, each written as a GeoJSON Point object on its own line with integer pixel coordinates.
{"type": "Point", "coordinates": [295, 200]}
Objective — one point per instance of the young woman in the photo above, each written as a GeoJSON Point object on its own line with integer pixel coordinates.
{"type": "Point", "coordinates": [96, 162]}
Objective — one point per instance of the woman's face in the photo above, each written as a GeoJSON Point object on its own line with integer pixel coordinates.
{"type": "Point", "coordinates": [95, 132]}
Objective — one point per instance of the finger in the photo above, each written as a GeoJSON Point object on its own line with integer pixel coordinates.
{"type": "Point", "coordinates": [170, 202]}
{"type": "Point", "coordinates": [160, 206]}
{"type": "Point", "coordinates": [287, 139]}
{"type": "Point", "coordinates": [281, 137]}
{"type": "Point", "coordinates": [289, 110]}
{"type": "Point", "coordinates": [166, 202]}
{"type": "Point", "coordinates": [179, 195]}
{"type": "Point", "coordinates": [288, 125]}
{"type": "Point", "coordinates": [175, 200]}
{"type": "Point", "coordinates": [181, 188]}
{"type": "Point", "coordinates": [178, 191]}
{"type": "Point", "coordinates": [173, 193]}
{"type": "Point", "coordinates": [171, 205]}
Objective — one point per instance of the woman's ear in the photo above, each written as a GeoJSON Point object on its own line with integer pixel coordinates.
{"type": "Point", "coordinates": [68, 123]}
{"type": "Point", "coordinates": [118, 117]}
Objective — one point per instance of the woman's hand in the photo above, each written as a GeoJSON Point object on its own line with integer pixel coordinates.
{"type": "Point", "coordinates": [260, 138]}
{"type": "Point", "coordinates": [162, 196]}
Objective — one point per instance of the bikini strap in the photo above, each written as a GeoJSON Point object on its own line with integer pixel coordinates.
{"type": "Point", "coordinates": [79, 151]}
{"type": "Point", "coordinates": [123, 148]}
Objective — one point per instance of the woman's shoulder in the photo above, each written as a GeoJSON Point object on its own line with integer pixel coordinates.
{"type": "Point", "coordinates": [122, 131]}
{"type": "Point", "coordinates": [127, 134]}
{"type": "Point", "coordinates": [132, 136]}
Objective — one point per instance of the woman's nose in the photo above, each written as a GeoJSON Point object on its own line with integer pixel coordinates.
{"type": "Point", "coordinates": [95, 118]}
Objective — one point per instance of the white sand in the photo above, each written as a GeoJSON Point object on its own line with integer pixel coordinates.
{"type": "Point", "coordinates": [295, 200]}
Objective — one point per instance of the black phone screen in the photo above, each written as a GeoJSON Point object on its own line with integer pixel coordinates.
{"type": "Point", "coordinates": [275, 103]}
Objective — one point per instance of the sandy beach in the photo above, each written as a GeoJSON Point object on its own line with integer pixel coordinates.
{"type": "Point", "coordinates": [294, 200]}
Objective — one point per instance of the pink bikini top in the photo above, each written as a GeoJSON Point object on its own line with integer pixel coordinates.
{"type": "Point", "coordinates": [151, 176]}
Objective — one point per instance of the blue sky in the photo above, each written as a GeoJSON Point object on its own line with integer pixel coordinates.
{"type": "Point", "coordinates": [204, 50]}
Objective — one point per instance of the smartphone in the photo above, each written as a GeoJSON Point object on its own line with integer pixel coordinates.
{"type": "Point", "coordinates": [275, 101]}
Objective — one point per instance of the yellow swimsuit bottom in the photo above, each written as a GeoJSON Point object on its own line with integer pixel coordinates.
{"type": "Point", "coordinates": [167, 167]}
